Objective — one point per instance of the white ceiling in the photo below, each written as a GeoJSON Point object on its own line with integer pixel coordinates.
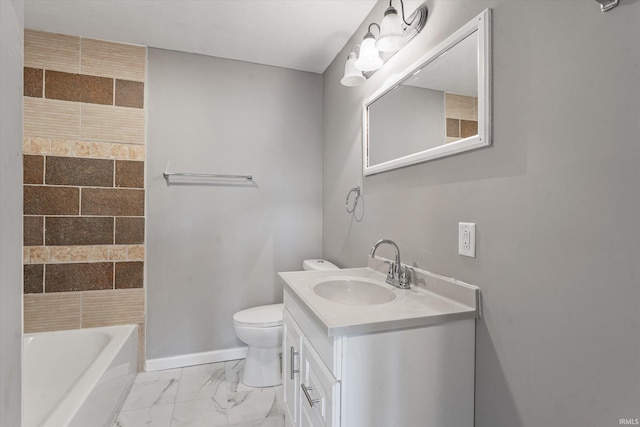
{"type": "Point", "coordinates": [302, 35]}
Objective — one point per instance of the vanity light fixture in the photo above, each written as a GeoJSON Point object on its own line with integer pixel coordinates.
{"type": "Point", "coordinates": [394, 33]}
{"type": "Point", "coordinates": [392, 37]}
{"type": "Point", "coordinates": [369, 59]}
{"type": "Point", "coordinates": [352, 76]}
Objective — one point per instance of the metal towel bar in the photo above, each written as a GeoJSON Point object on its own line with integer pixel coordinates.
{"type": "Point", "coordinates": [205, 175]}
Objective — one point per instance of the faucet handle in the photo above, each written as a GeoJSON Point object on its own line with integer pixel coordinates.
{"type": "Point", "coordinates": [392, 270]}
{"type": "Point", "coordinates": [405, 275]}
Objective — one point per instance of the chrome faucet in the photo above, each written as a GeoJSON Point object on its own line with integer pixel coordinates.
{"type": "Point", "coordinates": [399, 275]}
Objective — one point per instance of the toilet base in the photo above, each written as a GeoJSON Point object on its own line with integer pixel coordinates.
{"type": "Point", "coordinates": [262, 367]}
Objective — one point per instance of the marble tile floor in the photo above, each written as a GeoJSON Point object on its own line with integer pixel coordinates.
{"type": "Point", "coordinates": [200, 396]}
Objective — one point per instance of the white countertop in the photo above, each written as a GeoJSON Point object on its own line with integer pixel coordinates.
{"type": "Point", "coordinates": [432, 299]}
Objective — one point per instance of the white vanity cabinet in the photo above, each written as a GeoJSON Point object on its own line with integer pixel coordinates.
{"type": "Point", "coordinates": [320, 397]}
{"type": "Point", "coordinates": [410, 377]}
{"type": "Point", "coordinates": [310, 391]}
{"type": "Point", "coordinates": [291, 344]}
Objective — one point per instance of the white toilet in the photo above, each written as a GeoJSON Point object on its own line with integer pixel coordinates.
{"type": "Point", "coordinates": [261, 329]}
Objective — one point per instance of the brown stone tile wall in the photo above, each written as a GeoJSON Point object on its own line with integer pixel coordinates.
{"type": "Point", "coordinates": [78, 277]}
{"type": "Point", "coordinates": [33, 167]}
{"type": "Point", "coordinates": [40, 83]}
{"type": "Point", "coordinates": [129, 231]}
{"type": "Point", "coordinates": [33, 230]}
{"type": "Point", "coordinates": [79, 171]}
{"type": "Point", "coordinates": [129, 174]}
{"type": "Point", "coordinates": [116, 202]}
{"type": "Point", "coordinates": [78, 230]}
{"type": "Point", "coordinates": [92, 89]}
{"type": "Point", "coordinates": [46, 200]}
{"type": "Point", "coordinates": [129, 275]}
{"type": "Point", "coordinates": [84, 186]}
{"type": "Point", "coordinates": [33, 82]}
{"type": "Point", "coordinates": [33, 278]}
{"type": "Point", "coordinates": [129, 94]}
{"type": "Point", "coordinates": [78, 87]}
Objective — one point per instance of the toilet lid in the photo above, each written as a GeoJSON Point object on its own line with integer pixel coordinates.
{"type": "Point", "coordinates": [262, 316]}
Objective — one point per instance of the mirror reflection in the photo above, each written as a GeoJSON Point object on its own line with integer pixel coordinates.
{"type": "Point", "coordinates": [437, 107]}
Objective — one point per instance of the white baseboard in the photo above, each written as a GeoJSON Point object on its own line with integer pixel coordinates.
{"type": "Point", "coordinates": [195, 359]}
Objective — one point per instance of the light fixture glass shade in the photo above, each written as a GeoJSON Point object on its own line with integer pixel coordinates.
{"type": "Point", "coordinates": [392, 36]}
{"type": "Point", "coordinates": [369, 59]}
{"type": "Point", "coordinates": [352, 76]}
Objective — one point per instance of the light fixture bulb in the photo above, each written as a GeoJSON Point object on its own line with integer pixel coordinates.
{"type": "Point", "coordinates": [392, 37]}
{"type": "Point", "coordinates": [352, 76]}
{"type": "Point", "coordinates": [369, 59]}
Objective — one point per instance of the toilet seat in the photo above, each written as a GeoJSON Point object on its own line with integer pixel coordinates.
{"type": "Point", "coordinates": [264, 316]}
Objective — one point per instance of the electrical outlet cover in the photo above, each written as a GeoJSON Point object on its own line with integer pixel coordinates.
{"type": "Point", "coordinates": [467, 239]}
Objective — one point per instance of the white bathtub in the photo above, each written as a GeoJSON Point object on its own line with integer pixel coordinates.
{"type": "Point", "coordinates": [77, 378]}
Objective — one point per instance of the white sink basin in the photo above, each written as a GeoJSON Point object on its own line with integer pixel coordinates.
{"type": "Point", "coordinates": [353, 291]}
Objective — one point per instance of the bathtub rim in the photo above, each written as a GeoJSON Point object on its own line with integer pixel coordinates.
{"type": "Point", "coordinates": [71, 403]}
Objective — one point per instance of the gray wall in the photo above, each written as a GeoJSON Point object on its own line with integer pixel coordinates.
{"type": "Point", "coordinates": [555, 199]}
{"type": "Point", "coordinates": [11, 56]}
{"type": "Point", "coordinates": [215, 249]}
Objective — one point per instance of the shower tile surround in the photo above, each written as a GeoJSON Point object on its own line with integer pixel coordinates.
{"type": "Point", "coordinates": [462, 116]}
{"type": "Point", "coordinates": [84, 154]}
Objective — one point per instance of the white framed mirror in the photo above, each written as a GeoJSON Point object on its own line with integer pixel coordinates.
{"type": "Point", "coordinates": [441, 105]}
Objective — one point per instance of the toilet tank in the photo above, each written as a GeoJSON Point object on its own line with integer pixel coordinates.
{"type": "Point", "coordinates": [318, 265]}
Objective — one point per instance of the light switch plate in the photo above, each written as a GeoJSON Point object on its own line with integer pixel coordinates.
{"type": "Point", "coordinates": [467, 239]}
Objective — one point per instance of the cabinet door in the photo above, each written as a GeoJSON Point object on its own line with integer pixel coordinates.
{"type": "Point", "coordinates": [319, 391]}
{"type": "Point", "coordinates": [292, 339]}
